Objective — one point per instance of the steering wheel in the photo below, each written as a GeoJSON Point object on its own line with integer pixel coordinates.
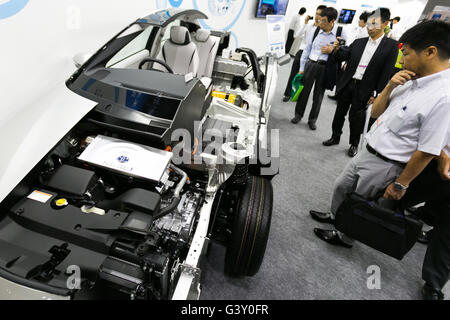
{"type": "Point", "coordinates": [155, 60]}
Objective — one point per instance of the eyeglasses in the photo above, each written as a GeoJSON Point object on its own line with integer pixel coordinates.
{"type": "Point", "coordinates": [373, 25]}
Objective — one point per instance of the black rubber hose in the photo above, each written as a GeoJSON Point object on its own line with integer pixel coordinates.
{"type": "Point", "coordinates": [162, 212]}
{"type": "Point", "coordinates": [176, 195]}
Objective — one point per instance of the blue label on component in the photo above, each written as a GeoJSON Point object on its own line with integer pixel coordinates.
{"type": "Point", "coordinates": [123, 159]}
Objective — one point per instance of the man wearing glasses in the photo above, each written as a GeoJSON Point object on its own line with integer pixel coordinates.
{"type": "Point", "coordinates": [370, 63]}
{"type": "Point", "coordinates": [314, 66]}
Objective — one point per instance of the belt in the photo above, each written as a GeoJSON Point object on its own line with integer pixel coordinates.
{"type": "Point", "coordinates": [379, 155]}
{"type": "Point", "coordinates": [318, 61]}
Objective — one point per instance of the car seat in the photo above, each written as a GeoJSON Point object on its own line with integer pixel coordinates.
{"type": "Point", "coordinates": [180, 53]}
{"type": "Point", "coordinates": [207, 47]}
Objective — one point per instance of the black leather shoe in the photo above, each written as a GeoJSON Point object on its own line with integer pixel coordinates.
{"type": "Point", "coordinates": [425, 236]}
{"type": "Point", "coordinates": [312, 126]}
{"type": "Point", "coordinates": [286, 99]}
{"type": "Point", "coordinates": [296, 119]}
{"type": "Point", "coordinates": [324, 217]}
{"type": "Point", "coordinates": [352, 151]}
{"type": "Point", "coordinates": [421, 213]}
{"type": "Point", "coordinates": [330, 142]}
{"type": "Point", "coordinates": [429, 293]}
{"type": "Point", "coordinates": [332, 97]}
{"type": "Point", "coordinates": [332, 237]}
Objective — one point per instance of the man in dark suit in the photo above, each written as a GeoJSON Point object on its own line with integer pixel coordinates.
{"type": "Point", "coordinates": [370, 63]}
{"type": "Point", "coordinates": [432, 186]}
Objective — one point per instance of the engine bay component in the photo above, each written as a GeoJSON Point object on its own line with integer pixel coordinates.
{"type": "Point", "coordinates": [95, 210]}
{"type": "Point", "coordinates": [229, 97]}
{"type": "Point", "coordinates": [239, 81]}
{"type": "Point", "coordinates": [61, 203]}
{"type": "Point", "coordinates": [211, 127]}
{"type": "Point", "coordinates": [68, 223]}
{"type": "Point", "coordinates": [233, 152]}
{"type": "Point", "coordinates": [122, 275]}
{"type": "Point", "coordinates": [71, 180]}
{"type": "Point", "coordinates": [128, 158]}
{"type": "Point", "coordinates": [215, 124]}
{"type": "Point", "coordinates": [176, 194]}
{"type": "Point", "coordinates": [134, 199]}
{"type": "Point", "coordinates": [227, 68]}
{"type": "Point", "coordinates": [138, 222]}
{"type": "Point", "coordinates": [257, 73]}
{"type": "Point", "coordinates": [180, 222]}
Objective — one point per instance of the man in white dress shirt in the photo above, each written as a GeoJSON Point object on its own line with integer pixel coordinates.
{"type": "Point", "coordinates": [396, 29]}
{"type": "Point", "coordinates": [412, 128]}
{"type": "Point", "coordinates": [314, 67]}
{"type": "Point", "coordinates": [361, 29]}
{"type": "Point", "coordinates": [297, 24]}
{"type": "Point", "coordinates": [296, 63]}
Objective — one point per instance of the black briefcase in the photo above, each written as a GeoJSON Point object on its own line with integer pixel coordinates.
{"type": "Point", "coordinates": [372, 223]}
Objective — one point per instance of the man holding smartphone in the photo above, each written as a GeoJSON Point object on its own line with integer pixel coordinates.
{"type": "Point", "coordinates": [370, 63]}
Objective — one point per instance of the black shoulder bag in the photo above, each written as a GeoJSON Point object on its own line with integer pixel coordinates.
{"type": "Point", "coordinates": [378, 224]}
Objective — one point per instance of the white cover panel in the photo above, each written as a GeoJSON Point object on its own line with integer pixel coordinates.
{"type": "Point", "coordinates": [126, 157]}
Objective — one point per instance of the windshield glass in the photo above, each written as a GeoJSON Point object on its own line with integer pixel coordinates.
{"type": "Point", "coordinates": [127, 49]}
{"type": "Point", "coordinates": [113, 75]}
{"type": "Point", "coordinates": [139, 45]}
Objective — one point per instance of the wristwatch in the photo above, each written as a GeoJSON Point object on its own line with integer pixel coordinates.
{"type": "Point", "coordinates": [399, 187]}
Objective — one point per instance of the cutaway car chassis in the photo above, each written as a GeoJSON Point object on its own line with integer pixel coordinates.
{"type": "Point", "coordinates": [114, 206]}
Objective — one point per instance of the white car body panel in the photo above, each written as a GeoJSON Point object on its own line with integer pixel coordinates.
{"type": "Point", "coordinates": [27, 137]}
{"type": "Point", "coordinates": [13, 291]}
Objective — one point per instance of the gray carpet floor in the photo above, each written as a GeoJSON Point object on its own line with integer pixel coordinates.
{"type": "Point", "coordinates": [297, 265]}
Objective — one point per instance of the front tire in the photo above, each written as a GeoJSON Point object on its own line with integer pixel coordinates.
{"type": "Point", "coordinates": [250, 228]}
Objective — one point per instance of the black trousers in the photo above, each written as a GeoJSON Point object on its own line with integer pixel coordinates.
{"type": "Point", "coordinates": [313, 75]}
{"type": "Point", "coordinates": [340, 72]}
{"type": "Point", "coordinates": [348, 98]}
{"type": "Point", "coordinates": [289, 40]}
{"type": "Point", "coordinates": [430, 188]}
{"type": "Point", "coordinates": [294, 71]}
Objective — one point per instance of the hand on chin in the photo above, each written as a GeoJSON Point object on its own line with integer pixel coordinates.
{"type": "Point", "coordinates": [417, 76]}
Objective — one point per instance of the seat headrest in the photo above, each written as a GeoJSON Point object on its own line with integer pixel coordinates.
{"type": "Point", "coordinates": [180, 35]}
{"type": "Point", "coordinates": [202, 35]}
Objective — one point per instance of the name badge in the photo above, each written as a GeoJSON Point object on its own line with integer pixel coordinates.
{"type": "Point", "coordinates": [313, 57]}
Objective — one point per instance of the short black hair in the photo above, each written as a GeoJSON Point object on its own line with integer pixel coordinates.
{"type": "Point", "coordinates": [329, 12]}
{"type": "Point", "coordinates": [321, 7]}
{"type": "Point", "coordinates": [397, 18]}
{"type": "Point", "coordinates": [364, 16]}
{"type": "Point", "coordinates": [302, 11]}
{"type": "Point", "coordinates": [385, 14]}
{"type": "Point", "coordinates": [429, 33]}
